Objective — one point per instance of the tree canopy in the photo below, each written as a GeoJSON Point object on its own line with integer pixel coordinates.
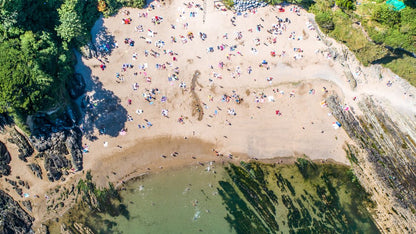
{"type": "Point", "coordinates": [36, 42]}
{"type": "Point", "coordinates": [24, 85]}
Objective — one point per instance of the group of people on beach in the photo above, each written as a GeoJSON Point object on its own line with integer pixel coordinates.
{"type": "Point", "coordinates": [147, 41]}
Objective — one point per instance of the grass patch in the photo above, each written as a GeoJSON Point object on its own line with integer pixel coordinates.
{"type": "Point", "coordinates": [404, 67]}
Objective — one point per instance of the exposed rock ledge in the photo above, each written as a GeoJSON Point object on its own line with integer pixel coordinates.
{"type": "Point", "coordinates": [13, 219]}
{"type": "Point", "coordinates": [384, 161]}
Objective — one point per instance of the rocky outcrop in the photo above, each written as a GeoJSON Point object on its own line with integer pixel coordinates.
{"type": "Point", "coordinates": [74, 143]}
{"type": "Point", "coordinates": [4, 121]}
{"type": "Point", "coordinates": [81, 228]}
{"type": "Point", "coordinates": [25, 149]}
{"type": "Point", "coordinates": [4, 160]}
{"type": "Point", "coordinates": [76, 86]}
{"type": "Point", "coordinates": [13, 219]}
{"type": "Point", "coordinates": [36, 170]}
{"type": "Point", "coordinates": [28, 205]}
{"type": "Point", "coordinates": [54, 163]}
{"type": "Point", "coordinates": [384, 161]}
{"type": "Point", "coordinates": [55, 146]}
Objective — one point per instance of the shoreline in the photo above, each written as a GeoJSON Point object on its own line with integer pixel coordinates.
{"type": "Point", "coordinates": [102, 177]}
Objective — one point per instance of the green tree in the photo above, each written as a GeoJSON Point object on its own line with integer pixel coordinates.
{"type": "Point", "coordinates": [71, 25]}
{"type": "Point", "coordinates": [23, 85]}
{"type": "Point", "coordinates": [8, 24]}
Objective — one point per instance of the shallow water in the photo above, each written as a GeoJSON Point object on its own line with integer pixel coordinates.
{"type": "Point", "coordinates": [179, 201]}
{"type": "Point", "coordinates": [254, 198]}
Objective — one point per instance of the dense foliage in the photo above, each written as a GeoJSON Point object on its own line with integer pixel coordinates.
{"type": "Point", "coordinates": [345, 4]}
{"type": "Point", "coordinates": [36, 56]}
{"type": "Point", "coordinates": [324, 19]}
{"type": "Point", "coordinates": [374, 31]}
{"type": "Point", "coordinates": [396, 29]}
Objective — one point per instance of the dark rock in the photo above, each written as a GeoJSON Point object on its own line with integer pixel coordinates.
{"type": "Point", "coordinates": [76, 86]}
{"type": "Point", "coordinates": [54, 163]}
{"type": "Point", "coordinates": [40, 155]}
{"type": "Point", "coordinates": [36, 169]}
{"type": "Point", "coordinates": [41, 143]}
{"type": "Point", "coordinates": [28, 205]}
{"type": "Point", "coordinates": [25, 149]}
{"type": "Point", "coordinates": [18, 191]}
{"type": "Point", "coordinates": [50, 178]}
{"type": "Point", "coordinates": [4, 121]}
{"type": "Point", "coordinates": [13, 219]}
{"type": "Point", "coordinates": [55, 146]}
{"type": "Point", "coordinates": [74, 144]}
{"type": "Point", "coordinates": [43, 126]}
{"type": "Point", "coordinates": [4, 160]}
{"type": "Point", "coordinates": [11, 182]}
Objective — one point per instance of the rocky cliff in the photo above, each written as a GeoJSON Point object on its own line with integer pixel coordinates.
{"type": "Point", "coordinates": [384, 159]}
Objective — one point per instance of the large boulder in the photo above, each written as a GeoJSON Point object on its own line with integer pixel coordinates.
{"type": "Point", "coordinates": [73, 142]}
{"type": "Point", "coordinates": [36, 170]}
{"type": "Point", "coordinates": [54, 163]}
{"type": "Point", "coordinates": [4, 160]}
{"type": "Point", "coordinates": [25, 149]}
{"type": "Point", "coordinates": [13, 219]}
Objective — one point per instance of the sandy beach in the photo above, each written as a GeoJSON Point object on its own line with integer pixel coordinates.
{"type": "Point", "coordinates": [175, 85]}
{"type": "Point", "coordinates": [280, 113]}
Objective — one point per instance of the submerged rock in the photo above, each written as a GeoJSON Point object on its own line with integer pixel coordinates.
{"type": "Point", "coordinates": [13, 219]}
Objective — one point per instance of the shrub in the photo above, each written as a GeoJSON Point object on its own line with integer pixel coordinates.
{"type": "Point", "coordinates": [324, 20]}
{"type": "Point", "coordinates": [386, 15]}
{"type": "Point", "coordinates": [345, 4]}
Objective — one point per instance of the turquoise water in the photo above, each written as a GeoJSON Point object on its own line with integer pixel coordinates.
{"type": "Point", "coordinates": [179, 201]}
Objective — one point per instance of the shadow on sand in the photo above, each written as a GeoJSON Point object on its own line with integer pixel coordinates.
{"type": "Point", "coordinates": [100, 108]}
{"type": "Point", "coordinates": [103, 43]}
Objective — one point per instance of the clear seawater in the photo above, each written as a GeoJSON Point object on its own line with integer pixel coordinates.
{"type": "Point", "coordinates": [248, 199]}
{"type": "Point", "coordinates": [175, 201]}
